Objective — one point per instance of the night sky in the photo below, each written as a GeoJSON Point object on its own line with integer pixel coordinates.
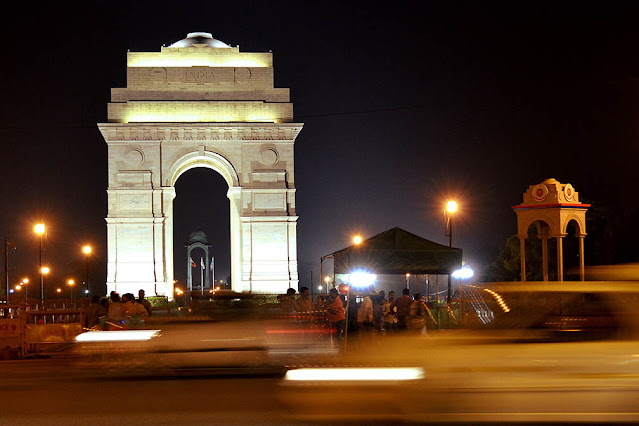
{"type": "Point", "coordinates": [404, 106]}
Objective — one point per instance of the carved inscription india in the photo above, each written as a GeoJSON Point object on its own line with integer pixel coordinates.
{"type": "Point", "coordinates": [201, 75]}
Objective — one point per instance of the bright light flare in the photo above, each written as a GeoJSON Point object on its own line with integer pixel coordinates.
{"type": "Point", "coordinates": [357, 239]}
{"type": "Point", "coordinates": [361, 279]}
{"type": "Point", "coordinates": [86, 249]}
{"type": "Point", "coordinates": [117, 336]}
{"type": "Point", "coordinates": [39, 228]}
{"type": "Point", "coordinates": [354, 374]}
{"type": "Point", "coordinates": [45, 270]}
{"type": "Point", "coordinates": [70, 282]}
{"type": "Point", "coordinates": [464, 273]}
{"type": "Point", "coordinates": [58, 290]}
{"type": "Point", "coordinates": [25, 280]}
{"type": "Point", "coordinates": [451, 206]}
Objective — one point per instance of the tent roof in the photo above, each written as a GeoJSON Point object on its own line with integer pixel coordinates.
{"type": "Point", "coordinates": [397, 252]}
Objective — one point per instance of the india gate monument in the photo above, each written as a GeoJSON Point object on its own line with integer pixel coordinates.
{"type": "Point", "coordinates": [200, 103]}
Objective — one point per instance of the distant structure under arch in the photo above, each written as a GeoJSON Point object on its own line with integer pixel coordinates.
{"type": "Point", "coordinates": [551, 206]}
{"type": "Point", "coordinates": [200, 103]}
{"type": "Point", "coordinates": [198, 240]}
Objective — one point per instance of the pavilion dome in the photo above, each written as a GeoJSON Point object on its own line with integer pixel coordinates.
{"type": "Point", "coordinates": [200, 39]}
{"type": "Point", "coordinates": [198, 236]}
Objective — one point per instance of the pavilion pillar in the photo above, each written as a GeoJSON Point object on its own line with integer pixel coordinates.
{"type": "Point", "coordinates": [544, 255]}
{"type": "Point", "coordinates": [560, 259]}
{"type": "Point", "coordinates": [582, 267]}
{"type": "Point", "coordinates": [522, 252]}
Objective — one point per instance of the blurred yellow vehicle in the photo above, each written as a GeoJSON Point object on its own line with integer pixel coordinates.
{"type": "Point", "coordinates": [530, 352]}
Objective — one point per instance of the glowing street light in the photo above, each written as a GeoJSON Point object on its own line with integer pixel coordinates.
{"type": "Point", "coordinates": [407, 279]}
{"type": "Point", "coordinates": [451, 206]}
{"type": "Point", "coordinates": [327, 280]}
{"type": "Point", "coordinates": [357, 240]}
{"type": "Point", "coordinates": [71, 283]}
{"type": "Point", "coordinates": [87, 252]}
{"type": "Point", "coordinates": [40, 229]}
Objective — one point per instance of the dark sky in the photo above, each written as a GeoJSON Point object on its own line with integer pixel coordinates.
{"type": "Point", "coordinates": [403, 106]}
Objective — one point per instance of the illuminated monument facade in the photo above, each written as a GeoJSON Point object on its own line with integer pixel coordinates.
{"type": "Point", "coordinates": [200, 103]}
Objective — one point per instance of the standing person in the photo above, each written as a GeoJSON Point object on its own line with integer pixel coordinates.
{"type": "Point", "coordinates": [142, 301]}
{"type": "Point", "coordinates": [337, 314]}
{"type": "Point", "coordinates": [378, 312]}
{"type": "Point", "coordinates": [320, 304]}
{"type": "Point", "coordinates": [288, 305]}
{"type": "Point", "coordinates": [365, 317]}
{"type": "Point", "coordinates": [416, 321]}
{"type": "Point", "coordinates": [93, 313]}
{"type": "Point", "coordinates": [116, 314]}
{"type": "Point", "coordinates": [390, 313]}
{"type": "Point", "coordinates": [304, 301]}
{"type": "Point", "coordinates": [133, 310]}
{"type": "Point", "coordinates": [403, 308]}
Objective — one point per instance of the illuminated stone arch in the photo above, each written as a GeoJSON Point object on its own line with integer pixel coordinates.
{"type": "Point", "coordinates": [206, 159]}
{"type": "Point", "coordinates": [200, 103]}
{"type": "Point", "coordinates": [580, 221]}
{"type": "Point", "coordinates": [556, 205]}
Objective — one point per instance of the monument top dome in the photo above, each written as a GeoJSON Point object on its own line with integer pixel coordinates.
{"type": "Point", "coordinates": [200, 39]}
{"type": "Point", "coordinates": [198, 236]}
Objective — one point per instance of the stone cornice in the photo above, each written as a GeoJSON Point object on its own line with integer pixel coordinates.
{"type": "Point", "coordinates": [200, 131]}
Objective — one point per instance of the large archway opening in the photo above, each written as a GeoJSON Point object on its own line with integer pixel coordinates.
{"type": "Point", "coordinates": [201, 202]}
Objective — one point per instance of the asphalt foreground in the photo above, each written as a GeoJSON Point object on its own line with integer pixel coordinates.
{"type": "Point", "coordinates": [71, 391]}
{"type": "Point", "coordinates": [57, 392]}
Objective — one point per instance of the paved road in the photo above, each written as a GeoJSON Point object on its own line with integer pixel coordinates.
{"type": "Point", "coordinates": [59, 392]}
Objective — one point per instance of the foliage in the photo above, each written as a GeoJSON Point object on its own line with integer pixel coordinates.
{"type": "Point", "coordinates": [507, 265]}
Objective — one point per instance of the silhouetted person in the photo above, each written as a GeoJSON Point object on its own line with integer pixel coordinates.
{"type": "Point", "coordinates": [403, 308]}
{"type": "Point", "coordinates": [94, 312]}
{"type": "Point", "coordinates": [142, 301]}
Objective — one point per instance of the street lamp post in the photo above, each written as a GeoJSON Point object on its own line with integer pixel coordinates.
{"type": "Point", "coordinates": [25, 281]}
{"type": "Point", "coordinates": [451, 209]}
{"type": "Point", "coordinates": [43, 271]}
{"type": "Point", "coordinates": [40, 229]}
{"type": "Point", "coordinates": [71, 283]}
{"type": "Point", "coordinates": [87, 251]}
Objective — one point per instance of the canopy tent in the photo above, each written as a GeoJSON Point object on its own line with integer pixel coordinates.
{"type": "Point", "coordinates": [397, 252]}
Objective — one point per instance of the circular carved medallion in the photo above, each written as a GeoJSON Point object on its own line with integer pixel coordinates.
{"type": "Point", "coordinates": [540, 192]}
{"type": "Point", "coordinates": [135, 157]}
{"type": "Point", "coordinates": [269, 157]}
{"type": "Point", "coordinates": [569, 192]}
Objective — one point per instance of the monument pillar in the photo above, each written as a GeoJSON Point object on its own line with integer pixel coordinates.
{"type": "Point", "coordinates": [522, 253]}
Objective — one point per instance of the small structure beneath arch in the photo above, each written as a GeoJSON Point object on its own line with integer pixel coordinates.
{"type": "Point", "coordinates": [198, 239]}
{"type": "Point", "coordinates": [551, 206]}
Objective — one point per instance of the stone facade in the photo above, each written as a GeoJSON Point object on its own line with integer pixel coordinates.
{"type": "Point", "coordinates": [200, 103]}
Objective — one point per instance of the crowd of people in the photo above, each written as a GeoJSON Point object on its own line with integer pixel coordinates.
{"type": "Point", "coordinates": [375, 314]}
{"type": "Point", "coordinates": [117, 312]}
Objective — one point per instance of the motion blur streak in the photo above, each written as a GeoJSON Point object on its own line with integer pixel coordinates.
{"type": "Point", "coordinates": [117, 336]}
{"type": "Point", "coordinates": [354, 374]}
